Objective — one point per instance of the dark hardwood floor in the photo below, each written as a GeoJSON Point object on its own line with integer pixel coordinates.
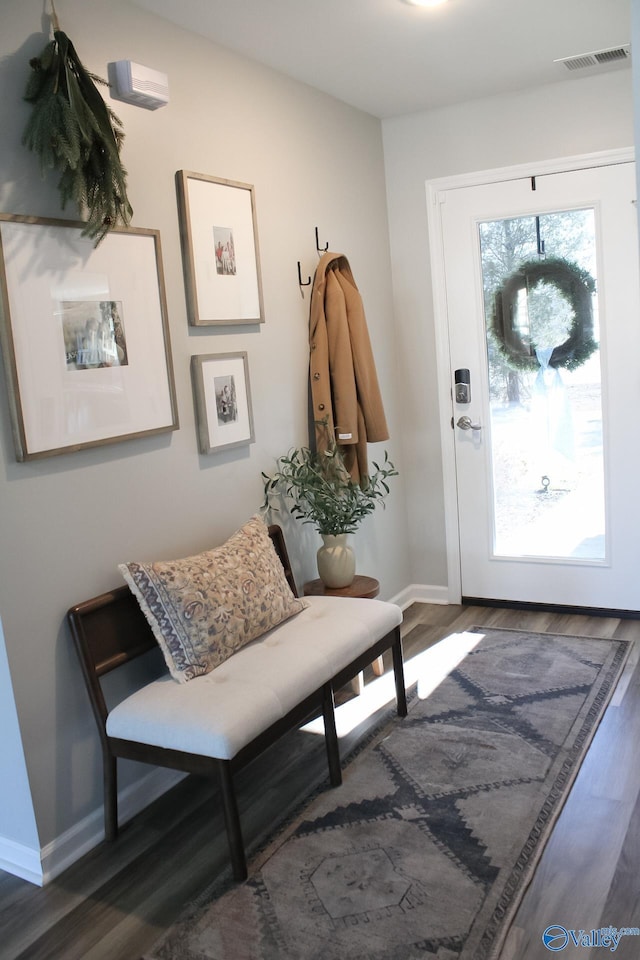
{"type": "Point", "coordinates": [116, 901]}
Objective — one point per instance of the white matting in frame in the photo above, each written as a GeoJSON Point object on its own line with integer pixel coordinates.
{"type": "Point", "coordinates": [223, 401]}
{"type": "Point", "coordinates": [218, 231]}
{"type": "Point", "coordinates": [85, 336]}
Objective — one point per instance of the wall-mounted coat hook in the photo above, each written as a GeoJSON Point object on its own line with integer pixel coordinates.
{"type": "Point", "coordinates": [303, 283]}
{"type": "Point", "coordinates": [318, 247]}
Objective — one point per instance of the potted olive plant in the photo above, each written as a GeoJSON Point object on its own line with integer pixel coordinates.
{"type": "Point", "coordinates": [317, 489]}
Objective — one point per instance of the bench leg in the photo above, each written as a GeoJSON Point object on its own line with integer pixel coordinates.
{"type": "Point", "coordinates": [110, 784]}
{"type": "Point", "coordinates": [331, 735]}
{"type": "Point", "coordinates": [398, 671]}
{"type": "Point", "coordinates": [232, 821]}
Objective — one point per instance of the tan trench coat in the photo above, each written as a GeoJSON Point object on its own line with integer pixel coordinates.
{"type": "Point", "coordinates": [344, 383]}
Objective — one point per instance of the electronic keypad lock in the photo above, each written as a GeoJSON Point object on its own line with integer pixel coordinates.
{"type": "Point", "coordinates": [462, 380]}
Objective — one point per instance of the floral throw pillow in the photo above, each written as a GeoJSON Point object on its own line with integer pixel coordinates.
{"type": "Point", "coordinates": [203, 608]}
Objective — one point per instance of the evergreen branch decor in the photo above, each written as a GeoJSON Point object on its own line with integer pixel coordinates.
{"type": "Point", "coordinates": [75, 132]}
{"type": "Point", "coordinates": [318, 489]}
{"type": "Point", "coordinates": [575, 285]}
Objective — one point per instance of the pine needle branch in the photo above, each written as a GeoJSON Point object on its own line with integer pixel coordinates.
{"type": "Point", "coordinates": [74, 132]}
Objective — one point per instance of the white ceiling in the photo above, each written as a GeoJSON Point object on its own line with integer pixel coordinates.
{"type": "Point", "coordinates": [389, 58]}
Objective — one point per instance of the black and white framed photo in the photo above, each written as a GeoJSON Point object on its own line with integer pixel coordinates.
{"type": "Point", "coordinates": [84, 334]}
{"type": "Point", "coordinates": [221, 260]}
{"type": "Point", "coordinates": [223, 401]}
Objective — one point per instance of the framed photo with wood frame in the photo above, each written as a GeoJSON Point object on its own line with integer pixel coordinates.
{"type": "Point", "coordinates": [84, 333]}
{"type": "Point", "coordinates": [222, 400]}
{"type": "Point", "coordinates": [219, 236]}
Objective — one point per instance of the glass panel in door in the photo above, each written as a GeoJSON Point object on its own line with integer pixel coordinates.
{"type": "Point", "coordinates": [547, 461]}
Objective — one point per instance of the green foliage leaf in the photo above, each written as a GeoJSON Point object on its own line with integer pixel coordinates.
{"type": "Point", "coordinates": [575, 288]}
{"type": "Point", "coordinates": [73, 131]}
{"type": "Point", "coordinates": [317, 489]}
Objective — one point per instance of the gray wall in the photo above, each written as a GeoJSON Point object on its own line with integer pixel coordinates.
{"type": "Point", "coordinates": [635, 70]}
{"type": "Point", "coordinates": [16, 805]}
{"type": "Point", "coordinates": [564, 119]}
{"type": "Point", "coordinates": [67, 521]}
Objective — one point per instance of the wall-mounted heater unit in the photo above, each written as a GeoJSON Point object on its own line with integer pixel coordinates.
{"type": "Point", "coordinates": [140, 85]}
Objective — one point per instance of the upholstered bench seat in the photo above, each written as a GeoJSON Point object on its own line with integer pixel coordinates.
{"type": "Point", "coordinates": [218, 714]}
{"type": "Point", "coordinates": [211, 719]}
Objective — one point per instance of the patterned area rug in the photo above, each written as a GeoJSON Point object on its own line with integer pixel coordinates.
{"type": "Point", "coordinates": [427, 847]}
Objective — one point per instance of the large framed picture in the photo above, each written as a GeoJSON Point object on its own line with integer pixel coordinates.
{"type": "Point", "coordinates": [223, 401]}
{"type": "Point", "coordinates": [84, 334]}
{"type": "Point", "coordinates": [220, 255]}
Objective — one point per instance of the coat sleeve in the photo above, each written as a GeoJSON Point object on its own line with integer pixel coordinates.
{"type": "Point", "coordinates": [364, 373]}
{"type": "Point", "coordinates": [341, 363]}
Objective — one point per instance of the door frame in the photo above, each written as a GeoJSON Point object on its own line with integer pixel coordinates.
{"type": "Point", "coordinates": [435, 190]}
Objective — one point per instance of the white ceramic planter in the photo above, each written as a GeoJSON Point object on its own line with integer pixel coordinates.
{"type": "Point", "coordinates": [336, 561]}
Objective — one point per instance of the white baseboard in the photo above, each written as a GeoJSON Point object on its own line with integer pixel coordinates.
{"type": "Point", "coordinates": [21, 861]}
{"type": "Point", "coordinates": [42, 866]}
{"type": "Point", "coordinates": [421, 593]}
{"type": "Point", "coordinates": [88, 833]}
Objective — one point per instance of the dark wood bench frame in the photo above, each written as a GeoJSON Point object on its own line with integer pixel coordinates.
{"type": "Point", "coordinates": [110, 631]}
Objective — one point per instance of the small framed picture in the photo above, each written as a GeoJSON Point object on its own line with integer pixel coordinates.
{"type": "Point", "coordinates": [84, 334]}
{"type": "Point", "coordinates": [223, 401]}
{"type": "Point", "coordinates": [219, 236]}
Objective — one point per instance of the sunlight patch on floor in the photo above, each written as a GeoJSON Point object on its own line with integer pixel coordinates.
{"type": "Point", "coordinates": [427, 670]}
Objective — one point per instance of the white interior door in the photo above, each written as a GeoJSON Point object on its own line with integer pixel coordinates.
{"type": "Point", "coordinates": [547, 460]}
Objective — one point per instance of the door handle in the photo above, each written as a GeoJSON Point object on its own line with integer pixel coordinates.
{"type": "Point", "coordinates": [465, 424]}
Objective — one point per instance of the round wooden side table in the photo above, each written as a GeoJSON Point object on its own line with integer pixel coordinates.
{"type": "Point", "coordinates": [363, 587]}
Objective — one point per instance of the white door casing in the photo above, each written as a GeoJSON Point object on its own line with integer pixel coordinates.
{"type": "Point", "coordinates": [456, 206]}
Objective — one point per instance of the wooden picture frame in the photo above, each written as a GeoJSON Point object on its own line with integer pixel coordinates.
{"type": "Point", "coordinates": [222, 400]}
{"type": "Point", "coordinates": [221, 261]}
{"type": "Point", "coordinates": [85, 337]}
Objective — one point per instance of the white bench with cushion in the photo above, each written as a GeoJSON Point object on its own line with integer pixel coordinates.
{"type": "Point", "coordinates": [214, 711]}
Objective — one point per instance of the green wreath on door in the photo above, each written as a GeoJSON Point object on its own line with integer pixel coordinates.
{"type": "Point", "coordinates": [576, 285]}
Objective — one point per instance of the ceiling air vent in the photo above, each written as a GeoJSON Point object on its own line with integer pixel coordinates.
{"type": "Point", "coordinates": [598, 58]}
